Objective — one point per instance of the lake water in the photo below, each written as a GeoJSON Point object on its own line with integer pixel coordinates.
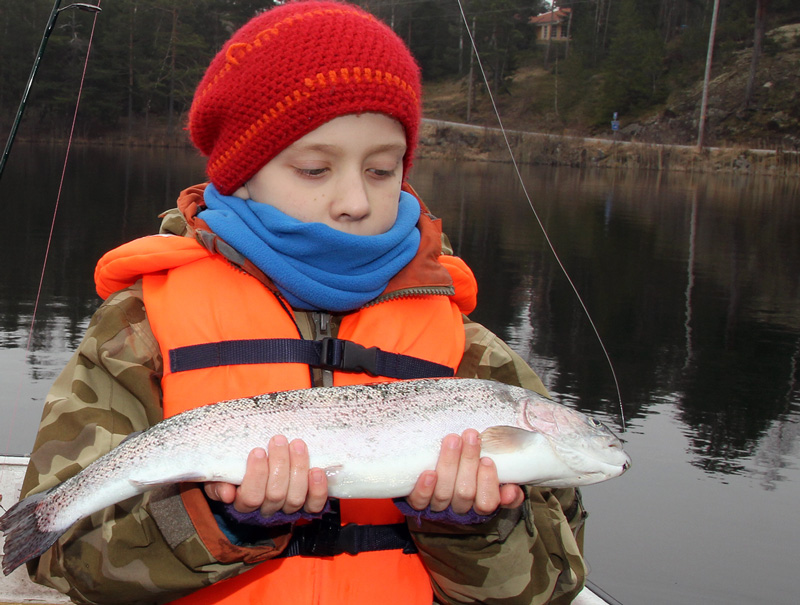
{"type": "Point", "coordinates": [692, 281]}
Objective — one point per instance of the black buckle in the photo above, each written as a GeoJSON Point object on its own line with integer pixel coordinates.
{"type": "Point", "coordinates": [320, 538]}
{"type": "Point", "coordinates": [348, 539]}
{"type": "Point", "coordinates": [348, 356]}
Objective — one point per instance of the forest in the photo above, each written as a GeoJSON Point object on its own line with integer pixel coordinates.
{"type": "Point", "coordinates": [148, 55]}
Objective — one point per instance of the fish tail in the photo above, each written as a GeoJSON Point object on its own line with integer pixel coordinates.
{"type": "Point", "coordinates": [24, 540]}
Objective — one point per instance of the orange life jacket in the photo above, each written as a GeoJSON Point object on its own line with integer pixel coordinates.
{"type": "Point", "coordinates": [193, 296]}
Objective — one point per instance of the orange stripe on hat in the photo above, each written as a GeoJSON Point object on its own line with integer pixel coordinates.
{"type": "Point", "coordinates": [312, 85]}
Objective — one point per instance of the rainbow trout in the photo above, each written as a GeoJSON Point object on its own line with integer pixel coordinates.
{"type": "Point", "coordinates": [373, 441]}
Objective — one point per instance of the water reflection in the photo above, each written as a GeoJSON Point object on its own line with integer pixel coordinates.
{"type": "Point", "coordinates": [777, 450]}
{"type": "Point", "coordinates": [692, 282]}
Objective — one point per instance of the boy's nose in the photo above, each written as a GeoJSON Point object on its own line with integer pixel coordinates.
{"type": "Point", "coordinates": [352, 201]}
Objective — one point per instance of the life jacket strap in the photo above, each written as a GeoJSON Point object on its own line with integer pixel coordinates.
{"type": "Point", "coordinates": [326, 537]}
{"type": "Point", "coordinates": [328, 354]}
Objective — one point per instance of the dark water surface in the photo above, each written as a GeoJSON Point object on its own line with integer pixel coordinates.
{"type": "Point", "coordinates": [693, 283]}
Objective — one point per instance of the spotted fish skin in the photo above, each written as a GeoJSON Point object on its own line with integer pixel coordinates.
{"type": "Point", "coordinates": [372, 440]}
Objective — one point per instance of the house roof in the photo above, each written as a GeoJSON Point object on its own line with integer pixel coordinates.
{"type": "Point", "coordinates": [556, 16]}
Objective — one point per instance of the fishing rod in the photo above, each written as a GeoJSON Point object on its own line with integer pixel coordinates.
{"type": "Point", "coordinates": [51, 23]}
{"type": "Point", "coordinates": [538, 219]}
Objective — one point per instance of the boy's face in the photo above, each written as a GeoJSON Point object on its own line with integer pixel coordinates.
{"type": "Point", "coordinates": [346, 174]}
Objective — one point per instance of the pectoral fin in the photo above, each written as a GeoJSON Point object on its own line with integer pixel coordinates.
{"type": "Point", "coordinates": [504, 439]}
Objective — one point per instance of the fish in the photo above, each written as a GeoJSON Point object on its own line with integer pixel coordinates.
{"type": "Point", "coordinates": [372, 440]}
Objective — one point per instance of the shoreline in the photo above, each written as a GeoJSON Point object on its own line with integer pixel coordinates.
{"type": "Point", "coordinates": [440, 139]}
{"type": "Point", "coordinates": [450, 140]}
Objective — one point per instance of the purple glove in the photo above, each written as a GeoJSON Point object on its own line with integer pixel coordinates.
{"type": "Point", "coordinates": [445, 516]}
{"type": "Point", "coordinates": [256, 518]}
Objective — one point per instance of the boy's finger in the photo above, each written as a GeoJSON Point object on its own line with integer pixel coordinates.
{"type": "Point", "coordinates": [278, 482]}
{"type": "Point", "coordinates": [298, 477]}
{"type": "Point", "coordinates": [446, 472]}
{"type": "Point", "coordinates": [317, 491]}
{"type": "Point", "coordinates": [222, 492]}
{"type": "Point", "coordinates": [250, 494]}
{"type": "Point", "coordinates": [420, 497]}
{"type": "Point", "coordinates": [466, 480]}
{"type": "Point", "coordinates": [487, 498]}
{"type": "Point", "coordinates": [511, 496]}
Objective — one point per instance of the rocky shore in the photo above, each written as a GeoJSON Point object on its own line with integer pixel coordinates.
{"type": "Point", "coordinates": [450, 140]}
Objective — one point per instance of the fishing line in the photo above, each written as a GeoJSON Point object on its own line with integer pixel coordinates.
{"type": "Point", "coordinates": [536, 214]}
{"type": "Point", "coordinates": [61, 182]}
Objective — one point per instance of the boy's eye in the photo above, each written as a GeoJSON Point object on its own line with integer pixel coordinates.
{"type": "Point", "coordinates": [311, 172]}
{"type": "Point", "coordinates": [377, 172]}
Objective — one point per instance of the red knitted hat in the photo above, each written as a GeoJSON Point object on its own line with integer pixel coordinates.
{"type": "Point", "coordinates": [288, 71]}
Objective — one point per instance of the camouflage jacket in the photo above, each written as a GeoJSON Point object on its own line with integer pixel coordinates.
{"type": "Point", "coordinates": [147, 550]}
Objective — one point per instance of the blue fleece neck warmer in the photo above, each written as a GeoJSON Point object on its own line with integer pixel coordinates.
{"type": "Point", "coordinates": [315, 266]}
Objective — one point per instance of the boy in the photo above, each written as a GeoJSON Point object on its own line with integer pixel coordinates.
{"type": "Point", "coordinates": [306, 244]}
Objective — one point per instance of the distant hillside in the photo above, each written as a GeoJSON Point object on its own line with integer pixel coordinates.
{"type": "Point", "coordinates": [773, 122]}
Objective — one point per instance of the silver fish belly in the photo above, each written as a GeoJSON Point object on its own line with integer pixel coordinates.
{"type": "Point", "coordinates": [373, 441]}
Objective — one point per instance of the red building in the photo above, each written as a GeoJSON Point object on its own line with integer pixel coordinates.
{"type": "Point", "coordinates": [553, 25]}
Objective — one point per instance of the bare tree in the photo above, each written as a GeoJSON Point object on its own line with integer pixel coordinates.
{"type": "Point", "coordinates": [701, 130]}
{"type": "Point", "coordinates": [762, 6]}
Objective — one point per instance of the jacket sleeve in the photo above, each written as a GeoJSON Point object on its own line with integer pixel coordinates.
{"type": "Point", "coordinates": [529, 555]}
{"type": "Point", "coordinates": [151, 548]}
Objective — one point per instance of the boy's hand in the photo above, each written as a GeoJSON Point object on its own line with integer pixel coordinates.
{"type": "Point", "coordinates": [278, 479]}
{"type": "Point", "coordinates": [463, 480]}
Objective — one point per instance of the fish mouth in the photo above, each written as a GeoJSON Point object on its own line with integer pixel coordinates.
{"type": "Point", "coordinates": [619, 460]}
{"type": "Point", "coordinates": [625, 465]}
{"type": "Point", "coordinates": [609, 470]}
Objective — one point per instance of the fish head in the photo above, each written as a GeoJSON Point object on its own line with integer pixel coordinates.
{"type": "Point", "coordinates": [587, 446]}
